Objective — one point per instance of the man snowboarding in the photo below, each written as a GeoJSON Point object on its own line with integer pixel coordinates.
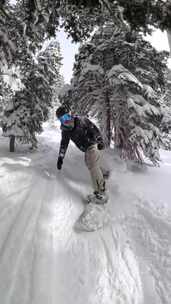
{"type": "Point", "coordinates": [88, 139]}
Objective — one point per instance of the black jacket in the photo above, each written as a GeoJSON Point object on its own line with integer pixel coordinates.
{"type": "Point", "coordinates": [84, 134]}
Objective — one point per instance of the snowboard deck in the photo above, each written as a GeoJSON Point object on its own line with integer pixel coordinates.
{"type": "Point", "coordinates": [94, 216]}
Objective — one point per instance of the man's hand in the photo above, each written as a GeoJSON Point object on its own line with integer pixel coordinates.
{"type": "Point", "coordinates": [59, 162]}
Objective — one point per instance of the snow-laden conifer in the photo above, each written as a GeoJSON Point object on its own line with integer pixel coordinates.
{"type": "Point", "coordinates": [119, 77]}
{"type": "Point", "coordinates": [29, 107]}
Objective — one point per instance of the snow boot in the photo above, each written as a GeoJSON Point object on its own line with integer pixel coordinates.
{"type": "Point", "coordinates": [97, 198]}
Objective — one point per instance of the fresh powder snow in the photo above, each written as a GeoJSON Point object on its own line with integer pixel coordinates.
{"type": "Point", "coordinates": [43, 260]}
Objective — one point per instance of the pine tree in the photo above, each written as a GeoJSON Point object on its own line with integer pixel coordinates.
{"type": "Point", "coordinates": [55, 101]}
{"type": "Point", "coordinates": [117, 78]}
{"type": "Point", "coordinates": [5, 95]}
{"type": "Point", "coordinates": [29, 107]}
{"type": "Point", "coordinates": [54, 58]}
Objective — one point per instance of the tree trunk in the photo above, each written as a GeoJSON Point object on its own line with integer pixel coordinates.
{"type": "Point", "coordinates": [108, 120]}
{"type": "Point", "coordinates": [169, 39]}
{"type": "Point", "coordinates": [12, 143]}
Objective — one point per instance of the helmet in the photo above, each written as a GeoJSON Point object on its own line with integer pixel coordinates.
{"type": "Point", "coordinates": [61, 111]}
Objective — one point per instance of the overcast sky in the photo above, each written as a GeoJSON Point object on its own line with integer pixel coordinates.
{"type": "Point", "coordinates": [68, 50]}
{"type": "Point", "coordinates": [159, 40]}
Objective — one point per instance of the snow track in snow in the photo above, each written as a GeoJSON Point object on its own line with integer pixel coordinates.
{"type": "Point", "coordinates": [44, 261]}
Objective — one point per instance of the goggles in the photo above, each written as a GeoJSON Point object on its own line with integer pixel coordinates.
{"type": "Point", "coordinates": [66, 120]}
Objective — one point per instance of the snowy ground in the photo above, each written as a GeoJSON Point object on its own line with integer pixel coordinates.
{"type": "Point", "coordinates": [44, 261]}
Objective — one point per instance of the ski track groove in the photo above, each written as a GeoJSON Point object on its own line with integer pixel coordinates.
{"type": "Point", "coordinates": [53, 243]}
{"type": "Point", "coordinates": [132, 277]}
{"type": "Point", "coordinates": [14, 223]}
{"type": "Point", "coordinates": [109, 265]}
{"type": "Point", "coordinates": [30, 297]}
{"type": "Point", "coordinates": [6, 209]}
{"type": "Point", "coordinates": [15, 231]}
{"type": "Point", "coordinates": [32, 268]}
{"type": "Point", "coordinates": [21, 253]}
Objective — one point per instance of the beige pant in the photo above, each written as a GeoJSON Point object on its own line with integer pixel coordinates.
{"type": "Point", "coordinates": [92, 160]}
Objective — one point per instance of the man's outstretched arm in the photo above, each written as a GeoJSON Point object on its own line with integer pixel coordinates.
{"type": "Point", "coordinates": [63, 148]}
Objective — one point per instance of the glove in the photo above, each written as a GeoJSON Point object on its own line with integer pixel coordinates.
{"type": "Point", "coordinates": [100, 146]}
{"type": "Point", "coordinates": [59, 162]}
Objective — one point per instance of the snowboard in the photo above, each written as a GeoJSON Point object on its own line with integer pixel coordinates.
{"type": "Point", "coordinates": [94, 217]}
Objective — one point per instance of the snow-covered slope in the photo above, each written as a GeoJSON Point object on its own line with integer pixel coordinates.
{"type": "Point", "coordinates": [43, 260]}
